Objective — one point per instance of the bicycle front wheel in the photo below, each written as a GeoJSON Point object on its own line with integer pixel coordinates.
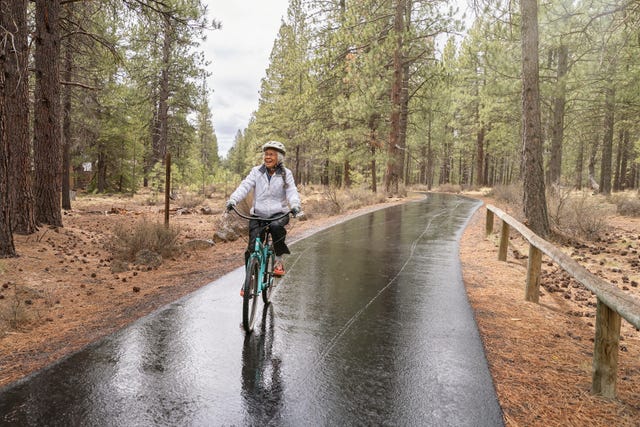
{"type": "Point", "coordinates": [268, 279]}
{"type": "Point", "coordinates": [250, 297]}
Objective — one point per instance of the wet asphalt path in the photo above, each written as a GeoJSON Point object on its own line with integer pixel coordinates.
{"type": "Point", "coordinates": [370, 326]}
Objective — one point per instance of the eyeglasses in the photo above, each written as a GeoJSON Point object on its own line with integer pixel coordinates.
{"type": "Point", "coordinates": [267, 154]}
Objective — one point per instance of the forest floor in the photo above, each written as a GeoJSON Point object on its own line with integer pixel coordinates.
{"type": "Point", "coordinates": [61, 294]}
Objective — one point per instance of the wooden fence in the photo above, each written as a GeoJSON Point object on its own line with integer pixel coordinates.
{"type": "Point", "coordinates": [613, 303]}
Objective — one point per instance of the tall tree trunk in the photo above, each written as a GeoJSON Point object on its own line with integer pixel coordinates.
{"type": "Point", "coordinates": [579, 165]}
{"type": "Point", "coordinates": [404, 157]}
{"type": "Point", "coordinates": [101, 173]}
{"type": "Point", "coordinates": [7, 248]}
{"type": "Point", "coordinates": [535, 205]}
{"type": "Point", "coordinates": [346, 175]}
{"type": "Point", "coordinates": [159, 123]}
{"type": "Point", "coordinates": [373, 143]}
{"type": "Point", "coordinates": [593, 155]}
{"type": "Point", "coordinates": [430, 161]}
{"type": "Point", "coordinates": [374, 176]}
{"type": "Point", "coordinates": [624, 154]}
{"type": "Point", "coordinates": [66, 124]}
{"type": "Point", "coordinates": [557, 129]}
{"type": "Point", "coordinates": [480, 178]}
{"type": "Point", "coordinates": [607, 140]}
{"type": "Point", "coordinates": [163, 96]}
{"type": "Point", "coordinates": [298, 172]}
{"type": "Point", "coordinates": [324, 180]}
{"type": "Point", "coordinates": [617, 163]}
{"type": "Point", "coordinates": [394, 156]}
{"type": "Point", "coordinates": [47, 138]}
{"type": "Point", "coordinates": [22, 202]}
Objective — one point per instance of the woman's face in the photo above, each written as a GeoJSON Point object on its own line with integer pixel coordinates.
{"type": "Point", "coordinates": [270, 158]}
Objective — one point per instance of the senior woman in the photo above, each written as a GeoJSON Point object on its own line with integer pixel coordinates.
{"type": "Point", "coordinates": [274, 193]}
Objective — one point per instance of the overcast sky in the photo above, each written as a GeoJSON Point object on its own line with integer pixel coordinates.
{"type": "Point", "coordinates": [239, 55]}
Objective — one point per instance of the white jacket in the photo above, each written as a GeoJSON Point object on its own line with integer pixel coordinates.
{"type": "Point", "coordinates": [271, 196]}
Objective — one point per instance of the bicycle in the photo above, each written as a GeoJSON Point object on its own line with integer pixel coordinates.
{"type": "Point", "coordinates": [259, 278]}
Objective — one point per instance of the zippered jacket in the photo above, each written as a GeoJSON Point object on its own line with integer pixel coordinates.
{"type": "Point", "coordinates": [271, 196]}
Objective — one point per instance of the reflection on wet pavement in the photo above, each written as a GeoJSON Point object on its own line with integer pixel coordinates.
{"type": "Point", "coordinates": [371, 326]}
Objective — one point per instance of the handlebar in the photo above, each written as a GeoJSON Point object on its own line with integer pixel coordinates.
{"type": "Point", "coordinates": [250, 217]}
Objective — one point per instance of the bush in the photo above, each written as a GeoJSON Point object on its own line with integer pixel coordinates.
{"type": "Point", "coordinates": [580, 215]}
{"type": "Point", "coordinates": [333, 201]}
{"type": "Point", "coordinates": [153, 199]}
{"type": "Point", "coordinates": [450, 188]}
{"type": "Point", "coordinates": [17, 310]}
{"type": "Point", "coordinates": [190, 200]}
{"type": "Point", "coordinates": [627, 205]}
{"type": "Point", "coordinates": [511, 194]}
{"type": "Point", "coordinates": [357, 198]}
{"type": "Point", "coordinates": [144, 236]}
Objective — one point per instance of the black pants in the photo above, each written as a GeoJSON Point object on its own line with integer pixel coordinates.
{"type": "Point", "coordinates": [278, 234]}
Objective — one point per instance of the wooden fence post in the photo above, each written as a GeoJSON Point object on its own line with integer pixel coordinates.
{"type": "Point", "coordinates": [532, 290]}
{"type": "Point", "coordinates": [605, 353]}
{"type": "Point", "coordinates": [489, 223]}
{"type": "Point", "coordinates": [504, 241]}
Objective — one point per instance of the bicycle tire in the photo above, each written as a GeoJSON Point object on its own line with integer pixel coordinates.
{"type": "Point", "coordinates": [268, 278]}
{"type": "Point", "coordinates": [250, 297]}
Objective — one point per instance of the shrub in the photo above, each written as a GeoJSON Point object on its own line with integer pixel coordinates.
{"type": "Point", "coordinates": [450, 188]}
{"type": "Point", "coordinates": [333, 200]}
{"type": "Point", "coordinates": [627, 205]}
{"type": "Point", "coordinates": [16, 307]}
{"type": "Point", "coordinates": [190, 200]}
{"type": "Point", "coordinates": [155, 237]}
{"type": "Point", "coordinates": [579, 215]}
{"type": "Point", "coordinates": [357, 198]}
{"type": "Point", "coordinates": [332, 195]}
{"type": "Point", "coordinates": [511, 194]}
{"type": "Point", "coordinates": [153, 199]}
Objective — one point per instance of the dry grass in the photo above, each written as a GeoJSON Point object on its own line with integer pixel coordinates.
{"type": "Point", "coordinates": [540, 354]}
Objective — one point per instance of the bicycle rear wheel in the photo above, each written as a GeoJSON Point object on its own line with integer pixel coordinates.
{"type": "Point", "coordinates": [268, 279]}
{"type": "Point", "coordinates": [250, 297]}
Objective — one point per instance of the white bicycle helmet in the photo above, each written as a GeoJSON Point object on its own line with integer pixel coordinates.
{"type": "Point", "coordinates": [276, 145]}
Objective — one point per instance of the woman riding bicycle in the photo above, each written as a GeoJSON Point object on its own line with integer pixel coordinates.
{"type": "Point", "coordinates": [274, 190]}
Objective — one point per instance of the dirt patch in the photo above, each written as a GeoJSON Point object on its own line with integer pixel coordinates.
{"type": "Point", "coordinates": [62, 294]}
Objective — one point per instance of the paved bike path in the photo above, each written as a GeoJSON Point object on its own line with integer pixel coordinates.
{"type": "Point", "coordinates": [370, 326]}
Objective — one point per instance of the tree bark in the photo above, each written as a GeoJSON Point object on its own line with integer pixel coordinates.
{"type": "Point", "coordinates": [47, 138]}
{"type": "Point", "coordinates": [607, 140]}
{"type": "Point", "coordinates": [7, 248]}
{"type": "Point", "coordinates": [535, 205]}
{"type": "Point", "coordinates": [394, 161]}
{"type": "Point", "coordinates": [557, 130]}
{"type": "Point", "coordinates": [624, 160]}
{"type": "Point", "coordinates": [593, 154]}
{"type": "Point", "coordinates": [480, 178]}
{"type": "Point", "coordinates": [21, 198]}
{"type": "Point", "coordinates": [579, 165]}
{"type": "Point", "coordinates": [160, 151]}
{"type": "Point", "coordinates": [66, 126]}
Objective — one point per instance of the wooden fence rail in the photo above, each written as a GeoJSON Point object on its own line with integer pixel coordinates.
{"type": "Point", "coordinates": [613, 303]}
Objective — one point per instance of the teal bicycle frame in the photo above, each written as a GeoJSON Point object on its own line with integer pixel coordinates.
{"type": "Point", "coordinates": [259, 278]}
